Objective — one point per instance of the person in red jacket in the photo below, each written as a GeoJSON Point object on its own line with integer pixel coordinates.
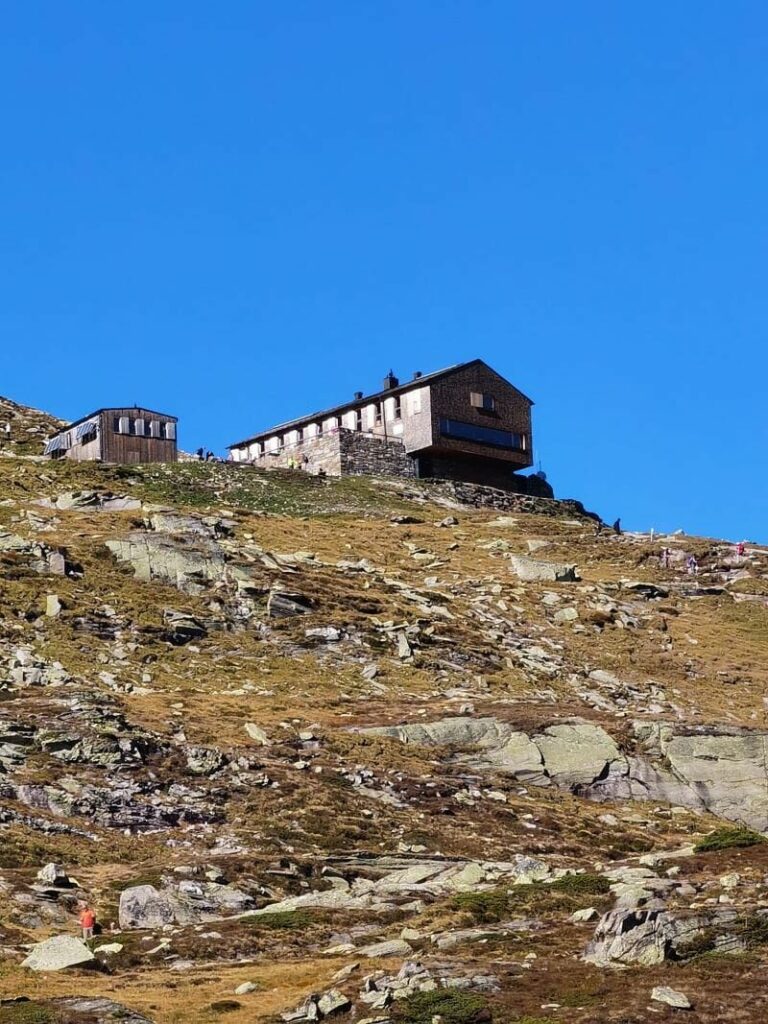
{"type": "Point", "coordinates": [87, 922]}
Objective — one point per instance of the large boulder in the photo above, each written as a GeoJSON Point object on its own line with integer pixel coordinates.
{"type": "Point", "coordinates": [532, 570]}
{"type": "Point", "coordinates": [577, 753]}
{"type": "Point", "coordinates": [57, 953]}
{"type": "Point", "coordinates": [727, 773]}
{"type": "Point", "coordinates": [648, 937]}
{"type": "Point", "coordinates": [144, 906]}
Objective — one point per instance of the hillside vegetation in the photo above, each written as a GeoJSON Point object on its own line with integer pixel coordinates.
{"type": "Point", "coordinates": [372, 749]}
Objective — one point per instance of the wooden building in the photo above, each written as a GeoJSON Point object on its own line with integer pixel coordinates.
{"type": "Point", "coordinates": [117, 435]}
{"type": "Point", "coordinates": [465, 422]}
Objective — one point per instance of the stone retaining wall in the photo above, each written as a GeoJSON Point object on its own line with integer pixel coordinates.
{"type": "Point", "coordinates": [362, 455]}
{"type": "Point", "coordinates": [343, 453]}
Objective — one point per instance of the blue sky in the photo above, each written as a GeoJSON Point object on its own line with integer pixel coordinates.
{"type": "Point", "coordinates": [244, 211]}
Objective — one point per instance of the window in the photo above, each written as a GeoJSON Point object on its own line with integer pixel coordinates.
{"type": "Point", "coordinates": [154, 428]}
{"type": "Point", "coordinates": [416, 402]}
{"type": "Point", "coordinates": [139, 428]}
{"type": "Point", "coordinates": [377, 415]}
{"type": "Point", "coordinates": [170, 431]}
{"type": "Point", "coordinates": [358, 419]}
{"type": "Point", "coordinates": [398, 407]}
{"type": "Point", "coordinates": [482, 435]}
{"type": "Point", "coordinates": [121, 425]}
{"type": "Point", "coordinates": [319, 431]}
{"type": "Point", "coordinates": [89, 435]}
{"type": "Point", "coordinates": [485, 402]}
{"type": "Point", "coordinates": [299, 434]}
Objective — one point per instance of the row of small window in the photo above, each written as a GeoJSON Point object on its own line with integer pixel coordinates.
{"type": "Point", "coordinates": [335, 423]}
{"type": "Point", "coordinates": [138, 427]}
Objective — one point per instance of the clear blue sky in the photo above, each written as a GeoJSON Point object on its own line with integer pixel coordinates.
{"type": "Point", "coordinates": [243, 211]}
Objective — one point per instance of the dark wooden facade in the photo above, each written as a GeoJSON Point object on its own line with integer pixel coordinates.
{"type": "Point", "coordinates": [119, 435]}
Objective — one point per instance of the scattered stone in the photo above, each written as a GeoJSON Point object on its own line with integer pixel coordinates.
{"type": "Point", "coordinates": [283, 604]}
{"type": "Point", "coordinates": [246, 988]}
{"type": "Point", "coordinates": [394, 947]}
{"type": "Point", "coordinates": [671, 996]}
{"type": "Point", "coordinates": [257, 734]}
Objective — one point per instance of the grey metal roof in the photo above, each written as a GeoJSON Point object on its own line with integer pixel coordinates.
{"type": "Point", "coordinates": [365, 400]}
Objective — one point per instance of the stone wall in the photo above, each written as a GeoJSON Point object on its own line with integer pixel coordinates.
{"type": "Point", "coordinates": [362, 455]}
{"type": "Point", "coordinates": [313, 454]}
{"type": "Point", "coordinates": [343, 453]}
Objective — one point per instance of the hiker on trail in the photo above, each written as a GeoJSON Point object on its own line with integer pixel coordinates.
{"type": "Point", "coordinates": [7, 429]}
{"type": "Point", "coordinates": [87, 922]}
{"type": "Point", "coordinates": [692, 565]}
{"type": "Point", "coordinates": [199, 454]}
{"type": "Point", "coordinates": [740, 549]}
{"type": "Point", "coordinates": [617, 527]}
{"type": "Point", "coordinates": [665, 558]}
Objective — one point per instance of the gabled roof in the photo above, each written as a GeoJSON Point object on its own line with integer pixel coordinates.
{"type": "Point", "coordinates": [112, 408]}
{"type": "Point", "coordinates": [338, 410]}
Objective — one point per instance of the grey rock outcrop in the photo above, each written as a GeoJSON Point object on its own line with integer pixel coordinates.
{"type": "Point", "coordinates": [96, 1010]}
{"type": "Point", "coordinates": [144, 906]}
{"type": "Point", "coordinates": [722, 771]}
{"type": "Point", "coordinates": [648, 936]}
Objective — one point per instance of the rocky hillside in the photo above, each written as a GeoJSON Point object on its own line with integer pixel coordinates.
{"type": "Point", "coordinates": [372, 750]}
{"type": "Point", "coordinates": [22, 429]}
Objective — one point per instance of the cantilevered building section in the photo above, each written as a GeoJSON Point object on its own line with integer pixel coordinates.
{"type": "Point", "coordinates": [465, 422]}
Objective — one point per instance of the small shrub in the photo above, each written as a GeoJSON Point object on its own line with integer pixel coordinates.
{"type": "Point", "coordinates": [453, 1006]}
{"type": "Point", "coordinates": [484, 907]}
{"type": "Point", "coordinates": [754, 931]}
{"type": "Point", "coordinates": [563, 894]}
{"type": "Point", "coordinates": [729, 838]}
{"type": "Point", "coordinates": [581, 885]}
{"type": "Point", "coordinates": [700, 944]}
{"type": "Point", "coordinates": [225, 1006]}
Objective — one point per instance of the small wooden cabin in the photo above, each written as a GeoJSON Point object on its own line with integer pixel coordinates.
{"type": "Point", "coordinates": [118, 435]}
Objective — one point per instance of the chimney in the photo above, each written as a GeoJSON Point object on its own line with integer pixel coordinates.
{"type": "Point", "coordinates": [390, 381]}
{"type": "Point", "coordinates": [416, 374]}
{"type": "Point", "coordinates": [358, 395]}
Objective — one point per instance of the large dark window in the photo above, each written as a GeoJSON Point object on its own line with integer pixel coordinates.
{"type": "Point", "coordinates": [483, 435]}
